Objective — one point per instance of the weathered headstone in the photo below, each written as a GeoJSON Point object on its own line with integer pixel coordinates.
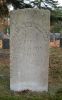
{"type": "Point", "coordinates": [29, 56]}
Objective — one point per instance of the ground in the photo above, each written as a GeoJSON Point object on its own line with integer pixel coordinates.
{"type": "Point", "coordinates": [55, 79]}
{"type": "Point", "coordinates": [55, 69]}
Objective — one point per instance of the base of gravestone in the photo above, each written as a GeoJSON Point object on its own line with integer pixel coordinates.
{"type": "Point", "coordinates": [30, 87]}
{"type": "Point", "coordinates": [29, 56]}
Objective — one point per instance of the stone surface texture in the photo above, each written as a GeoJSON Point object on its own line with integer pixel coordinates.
{"type": "Point", "coordinates": [29, 44]}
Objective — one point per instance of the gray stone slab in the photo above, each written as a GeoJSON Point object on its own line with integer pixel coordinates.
{"type": "Point", "coordinates": [29, 44]}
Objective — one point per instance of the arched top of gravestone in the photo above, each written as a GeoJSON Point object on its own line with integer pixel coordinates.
{"type": "Point", "coordinates": [30, 17]}
{"type": "Point", "coordinates": [44, 12]}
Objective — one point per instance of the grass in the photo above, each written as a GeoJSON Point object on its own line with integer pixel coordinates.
{"type": "Point", "coordinates": [55, 69]}
{"type": "Point", "coordinates": [55, 81]}
{"type": "Point", "coordinates": [32, 96]}
{"type": "Point", "coordinates": [4, 80]}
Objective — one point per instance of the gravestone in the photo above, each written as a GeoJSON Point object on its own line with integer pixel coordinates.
{"type": "Point", "coordinates": [5, 43]}
{"type": "Point", "coordinates": [29, 44]}
{"type": "Point", "coordinates": [61, 40]}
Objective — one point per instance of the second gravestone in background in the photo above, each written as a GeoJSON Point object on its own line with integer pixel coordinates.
{"type": "Point", "coordinates": [29, 57]}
